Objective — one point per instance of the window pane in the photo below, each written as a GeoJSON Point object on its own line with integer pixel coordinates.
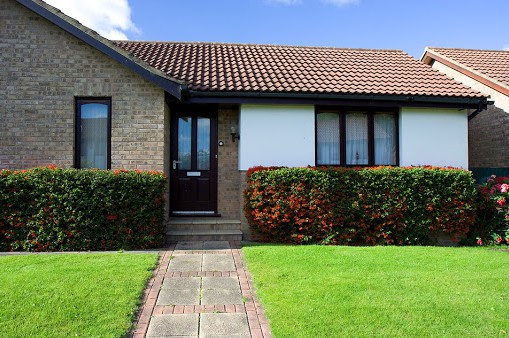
{"type": "Point", "coordinates": [327, 138]}
{"type": "Point", "coordinates": [184, 143]}
{"type": "Point", "coordinates": [203, 143]}
{"type": "Point", "coordinates": [385, 139]}
{"type": "Point", "coordinates": [94, 135]}
{"type": "Point", "coordinates": [356, 138]}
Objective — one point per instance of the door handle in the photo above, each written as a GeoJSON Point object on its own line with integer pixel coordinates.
{"type": "Point", "coordinates": [175, 164]}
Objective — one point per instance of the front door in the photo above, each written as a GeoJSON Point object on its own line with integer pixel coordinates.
{"type": "Point", "coordinates": [193, 167]}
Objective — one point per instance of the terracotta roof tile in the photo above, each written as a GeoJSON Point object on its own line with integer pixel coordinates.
{"type": "Point", "coordinates": [288, 69]}
{"type": "Point", "coordinates": [490, 63]}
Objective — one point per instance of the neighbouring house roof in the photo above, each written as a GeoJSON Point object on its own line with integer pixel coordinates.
{"type": "Point", "coordinates": [490, 67]}
{"type": "Point", "coordinates": [273, 69]}
{"type": "Point", "coordinates": [72, 26]}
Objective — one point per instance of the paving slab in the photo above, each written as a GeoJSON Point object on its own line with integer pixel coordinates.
{"type": "Point", "coordinates": [221, 296]}
{"type": "Point", "coordinates": [178, 297]}
{"type": "Point", "coordinates": [218, 262]}
{"type": "Point", "coordinates": [224, 325]}
{"type": "Point", "coordinates": [221, 283]}
{"type": "Point", "coordinates": [185, 263]}
{"type": "Point", "coordinates": [165, 326]}
{"type": "Point", "coordinates": [182, 283]}
{"type": "Point", "coordinates": [216, 245]}
{"type": "Point", "coordinates": [194, 302]}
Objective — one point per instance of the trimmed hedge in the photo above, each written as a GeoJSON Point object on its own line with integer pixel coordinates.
{"type": "Point", "coordinates": [52, 209]}
{"type": "Point", "coordinates": [360, 206]}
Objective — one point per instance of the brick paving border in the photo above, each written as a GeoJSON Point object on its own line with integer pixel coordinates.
{"type": "Point", "coordinates": [151, 293]}
{"type": "Point", "coordinates": [258, 324]}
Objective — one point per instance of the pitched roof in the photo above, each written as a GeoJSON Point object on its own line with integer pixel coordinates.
{"type": "Point", "coordinates": [492, 65]}
{"type": "Point", "coordinates": [221, 67]}
{"type": "Point", "coordinates": [74, 27]}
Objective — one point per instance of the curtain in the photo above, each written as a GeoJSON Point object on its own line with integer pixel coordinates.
{"type": "Point", "coordinates": [327, 138]}
{"type": "Point", "coordinates": [94, 135]}
{"type": "Point", "coordinates": [356, 138]}
{"type": "Point", "coordinates": [385, 139]}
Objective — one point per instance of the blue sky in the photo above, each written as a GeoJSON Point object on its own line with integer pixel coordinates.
{"type": "Point", "coordinates": [389, 24]}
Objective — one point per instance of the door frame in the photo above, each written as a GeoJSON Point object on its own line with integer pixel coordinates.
{"type": "Point", "coordinates": [209, 110]}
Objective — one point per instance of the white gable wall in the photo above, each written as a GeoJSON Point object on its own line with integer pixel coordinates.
{"type": "Point", "coordinates": [500, 100]}
{"type": "Point", "coordinates": [276, 135]}
{"type": "Point", "coordinates": [432, 136]}
{"type": "Point", "coordinates": [284, 135]}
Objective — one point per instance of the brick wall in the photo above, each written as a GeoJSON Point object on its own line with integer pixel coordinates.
{"type": "Point", "coordinates": [43, 69]}
{"type": "Point", "coordinates": [228, 203]}
{"type": "Point", "coordinates": [488, 139]}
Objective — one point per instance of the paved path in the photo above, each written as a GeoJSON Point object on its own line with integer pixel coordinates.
{"type": "Point", "coordinates": [201, 289]}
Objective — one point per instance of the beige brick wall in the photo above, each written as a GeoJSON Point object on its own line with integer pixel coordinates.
{"type": "Point", "coordinates": [43, 69]}
{"type": "Point", "coordinates": [488, 139]}
{"type": "Point", "coordinates": [228, 185]}
{"type": "Point", "coordinates": [242, 175]}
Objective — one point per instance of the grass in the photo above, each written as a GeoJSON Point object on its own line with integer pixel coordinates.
{"type": "Point", "coordinates": [334, 291]}
{"type": "Point", "coordinates": [71, 295]}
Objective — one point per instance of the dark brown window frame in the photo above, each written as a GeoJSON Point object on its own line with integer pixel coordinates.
{"type": "Point", "coordinates": [371, 111]}
{"type": "Point", "coordinates": [79, 101]}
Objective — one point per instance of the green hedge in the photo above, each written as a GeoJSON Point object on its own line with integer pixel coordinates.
{"type": "Point", "coordinates": [52, 209]}
{"type": "Point", "coordinates": [360, 206]}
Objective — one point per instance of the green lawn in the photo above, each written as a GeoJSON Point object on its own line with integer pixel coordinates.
{"type": "Point", "coordinates": [71, 295]}
{"type": "Point", "coordinates": [335, 291]}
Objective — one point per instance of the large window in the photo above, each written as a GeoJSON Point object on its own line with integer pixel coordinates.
{"type": "Point", "coordinates": [93, 133]}
{"type": "Point", "coordinates": [356, 137]}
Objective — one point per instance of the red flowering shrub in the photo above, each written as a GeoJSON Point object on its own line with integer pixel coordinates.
{"type": "Point", "coordinates": [494, 211]}
{"type": "Point", "coordinates": [52, 209]}
{"type": "Point", "coordinates": [359, 206]}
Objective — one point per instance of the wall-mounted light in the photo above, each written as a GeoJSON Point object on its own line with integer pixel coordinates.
{"type": "Point", "coordinates": [234, 134]}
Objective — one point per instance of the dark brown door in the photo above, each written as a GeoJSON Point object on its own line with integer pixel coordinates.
{"type": "Point", "coordinates": [193, 167]}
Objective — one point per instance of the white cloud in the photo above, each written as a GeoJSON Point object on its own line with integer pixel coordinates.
{"type": "Point", "coordinates": [506, 47]}
{"type": "Point", "coordinates": [341, 3]}
{"type": "Point", "coordinates": [110, 18]}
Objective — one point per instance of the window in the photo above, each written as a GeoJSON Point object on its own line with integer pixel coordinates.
{"type": "Point", "coordinates": [93, 133]}
{"type": "Point", "coordinates": [356, 137]}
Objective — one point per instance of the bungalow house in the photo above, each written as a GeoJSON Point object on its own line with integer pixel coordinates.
{"type": "Point", "coordinates": [486, 71]}
{"type": "Point", "coordinates": [204, 113]}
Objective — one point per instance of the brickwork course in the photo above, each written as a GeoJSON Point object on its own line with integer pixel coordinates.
{"type": "Point", "coordinates": [488, 135]}
{"type": "Point", "coordinates": [201, 289]}
{"type": "Point", "coordinates": [43, 73]}
{"type": "Point", "coordinates": [228, 159]}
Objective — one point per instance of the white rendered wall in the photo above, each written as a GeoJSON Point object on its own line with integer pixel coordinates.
{"type": "Point", "coordinates": [432, 136]}
{"type": "Point", "coordinates": [500, 100]}
{"type": "Point", "coordinates": [276, 135]}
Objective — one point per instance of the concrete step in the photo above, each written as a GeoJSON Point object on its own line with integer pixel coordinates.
{"type": "Point", "coordinates": [203, 229]}
{"type": "Point", "coordinates": [205, 223]}
{"type": "Point", "coordinates": [203, 235]}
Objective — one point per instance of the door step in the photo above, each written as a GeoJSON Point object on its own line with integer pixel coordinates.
{"type": "Point", "coordinates": [203, 235]}
{"type": "Point", "coordinates": [203, 229]}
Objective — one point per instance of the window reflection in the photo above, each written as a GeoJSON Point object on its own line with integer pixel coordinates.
{"type": "Point", "coordinates": [184, 143]}
{"type": "Point", "coordinates": [203, 143]}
